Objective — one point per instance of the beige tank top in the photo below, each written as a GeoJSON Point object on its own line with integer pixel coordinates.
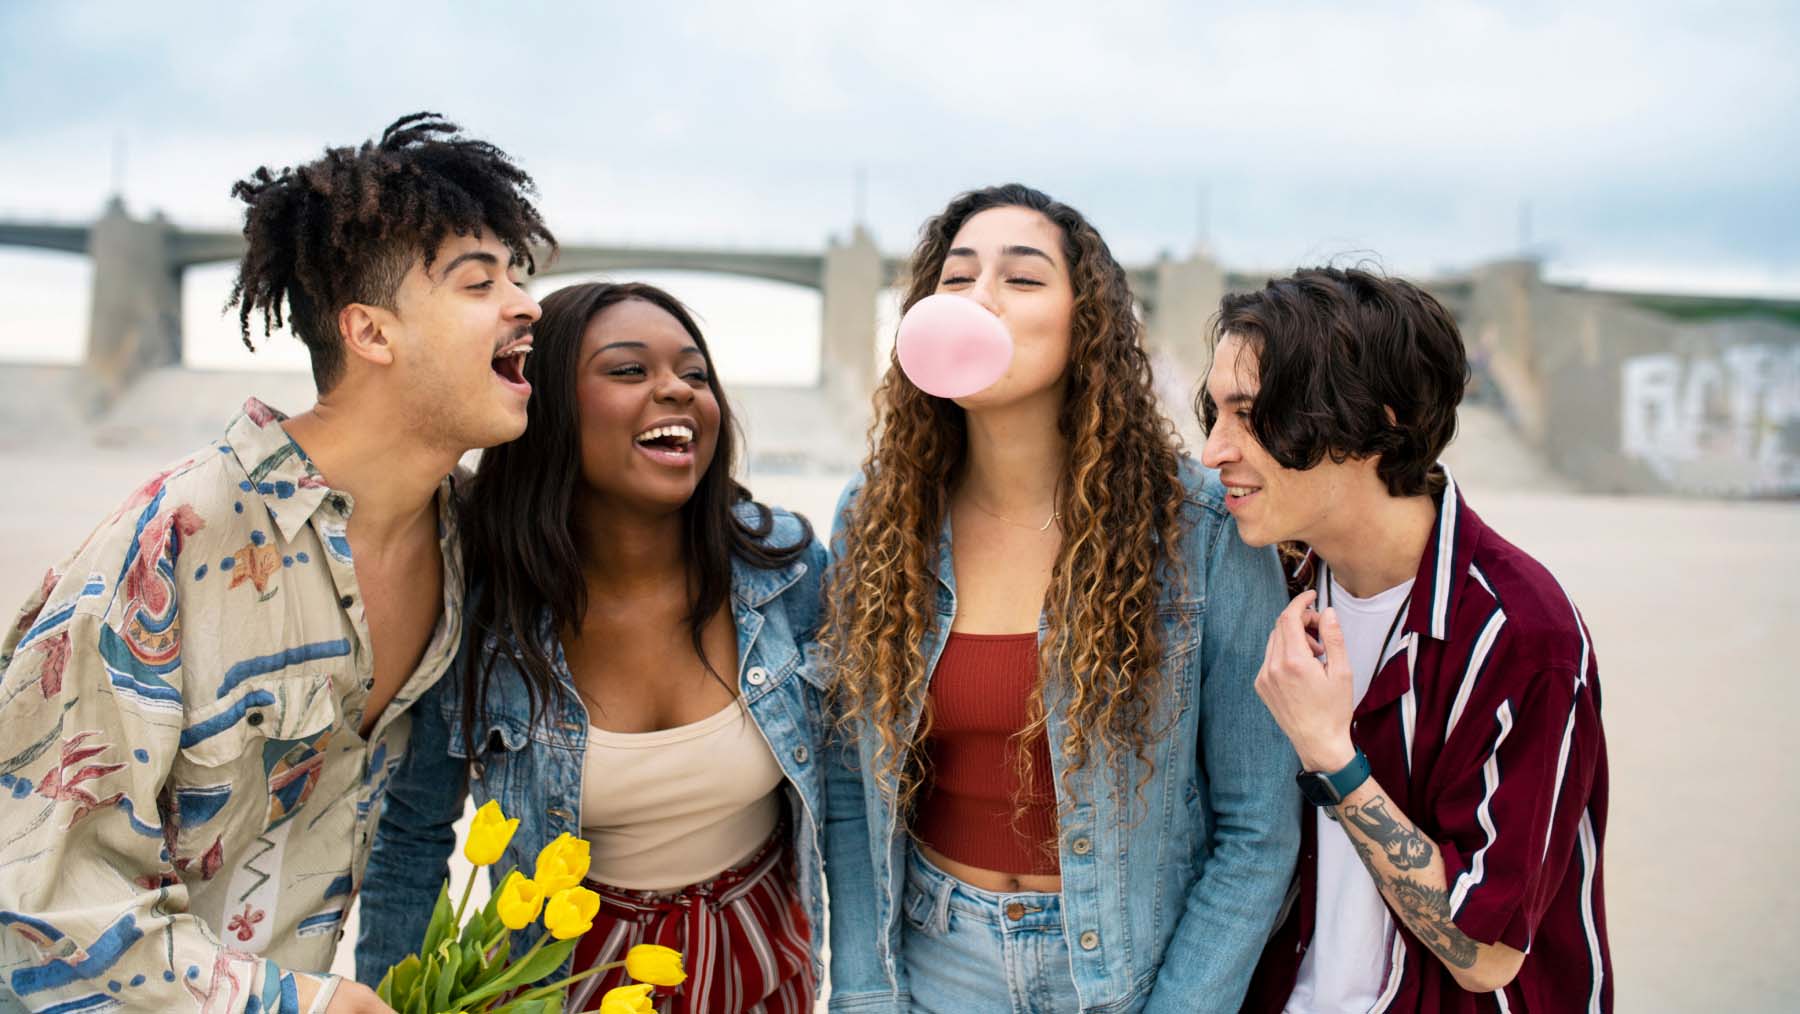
{"type": "Point", "coordinates": [666, 809]}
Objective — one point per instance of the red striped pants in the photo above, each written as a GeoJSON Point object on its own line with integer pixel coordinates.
{"type": "Point", "coordinates": [743, 935]}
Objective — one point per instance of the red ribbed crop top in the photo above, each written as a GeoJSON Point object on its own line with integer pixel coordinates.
{"type": "Point", "coordinates": [966, 811]}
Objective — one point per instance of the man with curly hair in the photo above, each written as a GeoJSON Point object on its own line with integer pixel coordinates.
{"type": "Point", "coordinates": [1437, 683]}
{"type": "Point", "coordinates": [200, 707]}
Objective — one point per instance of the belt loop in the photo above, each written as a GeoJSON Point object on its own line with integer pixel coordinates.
{"type": "Point", "coordinates": [940, 904]}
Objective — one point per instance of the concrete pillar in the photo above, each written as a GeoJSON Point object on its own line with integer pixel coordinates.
{"type": "Point", "coordinates": [1187, 295]}
{"type": "Point", "coordinates": [135, 323]}
{"type": "Point", "coordinates": [853, 277]}
{"type": "Point", "coordinates": [1502, 338]}
{"type": "Point", "coordinates": [1181, 309]}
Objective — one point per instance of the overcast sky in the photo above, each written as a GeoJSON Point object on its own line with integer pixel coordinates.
{"type": "Point", "coordinates": [1654, 147]}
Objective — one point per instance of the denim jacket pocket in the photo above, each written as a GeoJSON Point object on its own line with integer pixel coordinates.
{"type": "Point", "coordinates": [1180, 628]}
{"type": "Point", "coordinates": [499, 738]}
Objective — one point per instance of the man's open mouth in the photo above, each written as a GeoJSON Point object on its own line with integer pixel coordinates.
{"type": "Point", "coordinates": [509, 362]}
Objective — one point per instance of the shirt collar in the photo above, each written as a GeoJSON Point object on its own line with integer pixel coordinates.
{"type": "Point", "coordinates": [1444, 569]}
{"type": "Point", "coordinates": [754, 586]}
{"type": "Point", "coordinates": [276, 470]}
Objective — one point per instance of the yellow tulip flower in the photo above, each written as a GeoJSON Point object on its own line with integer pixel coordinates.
{"type": "Point", "coordinates": [570, 912]}
{"type": "Point", "coordinates": [655, 964]}
{"type": "Point", "coordinates": [632, 999]}
{"type": "Point", "coordinates": [519, 901]}
{"type": "Point", "coordinates": [562, 863]}
{"type": "Point", "coordinates": [489, 835]}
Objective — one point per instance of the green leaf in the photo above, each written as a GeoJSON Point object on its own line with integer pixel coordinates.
{"type": "Point", "coordinates": [472, 966]}
{"type": "Point", "coordinates": [402, 981]}
{"type": "Point", "coordinates": [446, 982]}
{"type": "Point", "coordinates": [541, 1005]}
{"type": "Point", "coordinates": [385, 990]}
{"type": "Point", "coordinates": [430, 971]}
{"type": "Point", "coordinates": [439, 928]}
{"type": "Point", "coordinates": [530, 970]}
{"type": "Point", "coordinates": [477, 927]}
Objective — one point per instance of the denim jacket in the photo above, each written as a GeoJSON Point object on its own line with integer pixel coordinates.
{"type": "Point", "coordinates": [535, 772]}
{"type": "Point", "coordinates": [1169, 895]}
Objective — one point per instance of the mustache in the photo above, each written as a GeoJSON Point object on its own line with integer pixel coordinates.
{"type": "Point", "coordinates": [522, 331]}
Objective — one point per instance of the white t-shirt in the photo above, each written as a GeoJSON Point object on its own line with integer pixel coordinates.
{"type": "Point", "coordinates": [1353, 930]}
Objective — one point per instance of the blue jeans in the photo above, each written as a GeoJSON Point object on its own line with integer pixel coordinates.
{"type": "Point", "coordinates": [966, 949]}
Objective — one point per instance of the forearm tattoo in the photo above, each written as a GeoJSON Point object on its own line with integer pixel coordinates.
{"type": "Point", "coordinates": [1424, 909]}
{"type": "Point", "coordinates": [1405, 847]}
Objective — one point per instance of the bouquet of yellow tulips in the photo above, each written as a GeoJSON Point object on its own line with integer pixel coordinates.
{"type": "Point", "coordinates": [466, 967]}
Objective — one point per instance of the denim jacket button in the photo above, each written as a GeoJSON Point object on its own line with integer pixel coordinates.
{"type": "Point", "coordinates": [1082, 846]}
{"type": "Point", "coordinates": [757, 676]}
{"type": "Point", "coordinates": [801, 753]}
{"type": "Point", "coordinates": [1090, 940]}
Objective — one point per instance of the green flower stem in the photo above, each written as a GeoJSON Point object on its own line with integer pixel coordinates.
{"type": "Point", "coordinates": [468, 888]}
{"type": "Point", "coordinates": [570, 981]}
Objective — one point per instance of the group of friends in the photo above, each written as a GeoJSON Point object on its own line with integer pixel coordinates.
{"type": "Point", "coordinates": [1054, 718]}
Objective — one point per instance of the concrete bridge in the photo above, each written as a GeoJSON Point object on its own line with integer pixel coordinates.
{"type": "Point", "coordinates": [135, 323]}
{"type": "Point", "coordinates": [1619, 392]}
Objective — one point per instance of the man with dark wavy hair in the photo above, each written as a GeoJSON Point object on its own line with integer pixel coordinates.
{"type": "Point", "coordinates": [1437, 683]}
{"type": "Point", "coordinates": [200, 707]}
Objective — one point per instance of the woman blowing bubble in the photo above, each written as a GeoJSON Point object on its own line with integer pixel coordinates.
{"type": "Point", "coordinates": [631, 677]}
{"type": "Point", "coordinates": [1054, 788]}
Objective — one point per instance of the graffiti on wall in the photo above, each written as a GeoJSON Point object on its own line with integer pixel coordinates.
{"type": "Point", "coordinates": [1727, 423]}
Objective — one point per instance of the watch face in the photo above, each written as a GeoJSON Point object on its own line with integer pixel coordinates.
{"type": "Point", "coordinates": [1316, 788]}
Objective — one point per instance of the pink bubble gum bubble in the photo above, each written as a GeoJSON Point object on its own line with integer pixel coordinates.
{"type": "Point", "coordinates": [952, 347]}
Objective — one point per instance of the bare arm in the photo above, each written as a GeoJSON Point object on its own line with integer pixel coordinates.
{"type": "Point", "coordinates": [1409, 871]}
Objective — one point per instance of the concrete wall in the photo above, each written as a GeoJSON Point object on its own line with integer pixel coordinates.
{"type": "Point", "coordinates": [1622, 399]}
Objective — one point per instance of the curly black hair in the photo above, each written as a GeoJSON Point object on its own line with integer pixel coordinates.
{"type": "Point", "coordinates": [345, 227]}
{"type": "Point", "coordinates": [1338, 350]}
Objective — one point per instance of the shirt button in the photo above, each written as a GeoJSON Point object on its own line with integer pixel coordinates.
{"type": "Point", "coordinates": [1015, 911]}
{"type": "Point", "coordinates": [801, 753]}
{"type": "Point", "coordinates": [346, 602]}
{"type": "Point", "coordinates": [1082, 846]}
{"type": "Point", "coordinates": [1090, 940]}
{"type": "Point", "coordinates": [757, 676]}
{"type": "Point", "coordinates": [256, 718]}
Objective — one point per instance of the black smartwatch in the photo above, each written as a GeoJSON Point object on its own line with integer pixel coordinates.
{"type": "Point", "coordinates": [1322, 789]}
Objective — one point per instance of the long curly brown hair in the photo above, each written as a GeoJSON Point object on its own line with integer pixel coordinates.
{"type": "Point", "coordinates": [1120, 505]}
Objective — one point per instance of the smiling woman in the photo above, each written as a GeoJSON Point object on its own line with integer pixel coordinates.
{"type": "Point", "coordinates": [637, 623]}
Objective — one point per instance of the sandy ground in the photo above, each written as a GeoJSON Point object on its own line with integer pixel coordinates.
{"type": "Point", "coordinates": [1691, 604]}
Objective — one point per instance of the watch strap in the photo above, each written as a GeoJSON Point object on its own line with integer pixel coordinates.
{"type": "Point", "coordinates": [1350, 777]}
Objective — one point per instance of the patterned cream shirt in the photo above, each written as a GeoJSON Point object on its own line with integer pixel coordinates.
{"type": "Point", "coordinates": [186, 801]}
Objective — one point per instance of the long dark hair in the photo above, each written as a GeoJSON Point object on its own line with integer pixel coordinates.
{"type": "Point", "coordinates": [518, 521]}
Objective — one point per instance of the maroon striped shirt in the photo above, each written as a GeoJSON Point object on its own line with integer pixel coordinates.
{"type": "Point", "coordinates": [1485, 730]}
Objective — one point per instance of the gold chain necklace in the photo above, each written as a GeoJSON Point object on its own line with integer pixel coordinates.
{"type": "Point", "coordinates": [1054, 513]}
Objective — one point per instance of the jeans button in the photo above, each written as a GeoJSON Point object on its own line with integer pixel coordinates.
{"type": "Point", "coordinates": [757, 676]}
{"type": "Point", "coordinates": [1015, 911]}
{"type": "Point", "coordinates": [1082, 846]}
{"type": "Point", "coordinates": [1089, 940]}
{"type": "Point", "coordinates": [801, 753]}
